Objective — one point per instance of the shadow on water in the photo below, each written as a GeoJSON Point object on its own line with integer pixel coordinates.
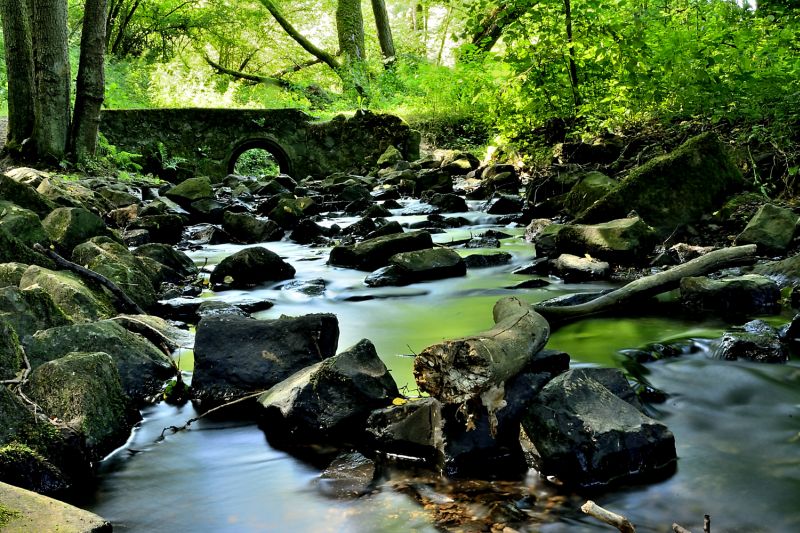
{"type": "Point", "coordinates": [736, 424]}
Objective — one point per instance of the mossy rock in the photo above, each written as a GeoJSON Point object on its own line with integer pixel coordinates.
{"type": "Point", "coordinates": [72, 194]}
{"type": "Point", "coordinates": [626, 240]}
{"type": "Point", "coordinates": [771, 229]}
{"type": "Point", "coordinates": [169, 257]}
{"type": "Point", "coordinates": [118, 198]}
{"type": "Point", "coordinates": [30, 310]}
{"type": "Point", "coordinates": [289, 211]}
{"type": "Point", "coordinates": [430, 264]}
{"type": "Point", "coordinates": [247, 229]}
{"type": "Point", "coordinates": [374, 253]}
{"type": "Point", "coordinates": [117, 263]}
{"type": "Point", "coordinates": [28, 511]}
{"type": "Point", "coordinates": [24, 467]}
{"type": "Point", "coordinates": [587, 191]}
{"type": "Point", "coordinates": [389, 157]}
{"type": "Point", "coordinates": [84, 391]}
{"type": "Point", "coordinates": [10, 351]}
{"type": "Point", "coordinates": [142, 367]}
{"type": "Point", "coordinates": [13, 249]}
{"type": "Point", "coordinates": [24, 196]}
{"type": "Point", "coordinates": [67, 227]}
{"type": "Point", "coordinates": [673, 190]}
{"type": "Point", "coordinates": [250, 267]}
{"type": "Point", "coordinates": [190, 190]}
{"type": "Point", "coordinates": [166, 228]}
{"type": "Point", "coordinates": [23, 224]}
{"type": "Point", "coordinates": [11, 273]}
{"type": "Point", "coordinates": [78, 302]}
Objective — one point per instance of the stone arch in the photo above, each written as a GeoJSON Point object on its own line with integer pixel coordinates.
{"type": "Point", "coordinates": [263, 143]}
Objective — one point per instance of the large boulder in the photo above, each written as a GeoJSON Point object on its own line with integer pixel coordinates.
{"type": "Point", "coordinates": [290, 211]}
{"type": "Point", "coordinates": [375, 253]}
{"type": "Point", "coordinates": [249, 267]}
{"type": "Point", "coordinates": [585, 435]}
{"type": "Point", "coordinates": [626, 240]}
{"type": "Point", "coordinates": [24, 196]}
{"type": "Point", "coordinates": [740, 295]}
{"type": "Point", "coordinates": [673, 190]}
{"type": "Point", "coordinates": [14, 250]}
{"type": "Point", "coordinates": [23, 224]}
{"type": "Point", "coordinates": [235, 356]}
{"type": "Point", "coordinates": [420, 265]}
{"type": "Point", "coordinates": [330, 399]}
{"type": "Point", "coordinates": [78, 302]}
{"type": "Point", "coordinates": [35, 512]}
{"type": "Point", "coordinates": [118, 264]}
{"type": "Point", "coordinates": [164, 228]}
{"type": "Point", "coordinates": [448, 203]}
{"type": "Point", "coordinates": [190, 190]}
{"type": "Point", "coordinates": [67, 227]}
{"type": "Point", "coordinates": [84, 391]}
{"type": "Point", "coordinates": [175, 260]}
{"type": "Point", "coordinates": [30, 310]}
{"type": "Point", "coordinates": [591, 187]}
{"type": "Point", "coordinates": [247, 229]}
{"type": "Point", "coordinates": [771, 229]}
{"type": "Point", "coordinates": [755, 341]}
{"type": "Point", "coordinates": [142, 367]}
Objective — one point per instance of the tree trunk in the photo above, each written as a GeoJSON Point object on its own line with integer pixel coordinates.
{"type": "Point", "coordinates": [652, 285]}
{"type": "Point", "coordinates": [456, 371]}
{"type": "Point", "coordinates": [19, 68]}
{"type": "Point", "coordinates": [123, 28]}
{"type": "Point", "coordinates": [90, 89]}
{"type": "Point", "coordinates": [350, 29]}
{"type": "Point", "coordinates": [384, 31]}
{"type": "Point", "coordinates": [573, 68]}
{"type": "Point", "coordinates": [52, 78]}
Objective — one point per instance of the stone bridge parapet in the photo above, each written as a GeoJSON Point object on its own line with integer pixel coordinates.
{"type": "Point", "coordinates": [208, 142]}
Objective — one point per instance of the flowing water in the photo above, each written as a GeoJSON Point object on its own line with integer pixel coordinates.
{"type": "Point", "coordinates": [736, 425]}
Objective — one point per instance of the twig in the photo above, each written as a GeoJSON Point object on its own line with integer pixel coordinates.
{"type": "Point", "coordinates": [123, 299]}
{"type": "Point", "coordinates": [605, 516]}
{"type": "Point", "coordinates": [679, 529]}
{"type": "Point", "coordinates": [176, 429]}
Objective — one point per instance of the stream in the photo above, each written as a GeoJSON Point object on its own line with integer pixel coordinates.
{"type": "Point", "coordinates": [736, 424]}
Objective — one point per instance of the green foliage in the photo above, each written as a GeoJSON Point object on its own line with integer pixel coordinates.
{"type": "Point", "coordinates": [256, 162]}
{"type": "Point", "coordinates": [7, 515]}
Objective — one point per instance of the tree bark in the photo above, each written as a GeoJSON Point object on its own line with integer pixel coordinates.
{"type": "Point", "coordinates": [52, 78]}
{"type": "Point", "coordinates": [573, 68]}
{"type": "Point", "coordinates": [455, 371]}
{"type": "Point", "coordinates": [90, 90]}
{"type": "Point", "coordinates": [123, 27]}
{"type": "Point", "coordinates": [19, 68]}
{"type": "Point", "coordinates": [652, 285]}
{"type": "Point", "coordinates": [350, 30]}
{"type": "Point", "coordinates": [384, 31]}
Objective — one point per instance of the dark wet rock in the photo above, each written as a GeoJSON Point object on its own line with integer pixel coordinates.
{"type": "Point", "coordinates": [427, 162]}
{"type": "Point", "coordinates": [11, 358]}
{"type": "Point", "coordinates": [574, 299]}
{"type": "Point", "coordinates": [360, 228]}
{"type": "Point", "coordinates": [117, 263]}
{"type": "Point", "coordinates": [247, 229]}
{"type": "Point", "coordinates": [530, 284]}
{"type": "Point", "coordinates": [786, 272]}
{"type": "Point", "coordinates": [375, 253]}
{"type": "Point", "coordinates": [434, 180]}
{"type": "Point", "coordinates": [487, 260]}
{"type": "Point", "coordinates": [135, 237]}
{"type": "Point", "coordinates": [190, 190]}
{"type": "Point", "coordinates": [350, 475]}
{"type": "Point", "coordinates": [389, 228]}
{"type": "Point", "coordinates": [590, 188]}
{"type": "Point", "coordinates": [208, 210]}
{"type": "Point", "coordinates": [330, 399]}
{"type": "Point", "coordinates": [84, 391]}
{"type": "Point", "coordinates": [410, 431]}
{"type": "Point", "coordinates": [122, 217]}
{"type": "Point", "coordinates": [166, 228]}
{"type": "Point", "coordinates": [377, 211]}
{"type": "Point", "coordinates": [250, 267]}
{"type": "Point", "coordinates": [673, 190]}
{"type": "Point", "coordinates": [482, 242]}
{"type": "Point", "coordinates": [545, 239]}
{"type": "Point", "coordinates": [626, 240]}
{"type": "Point", "coordinates": [388, 276]}
{"type": "Point", "coordinates": [78, 302]}
{"type": "Point", "coordinates": [572, 268]}
{"type": "Point", "coordinates": [537, 266]}
{"type": "Point", "coordinates": [790, 334]}
{"type": "Point", "coordinates": [388, 194]}
{"type": "Point", "coordinates": [208, 234]}
{"type": "Point", "coordinates": [307, 232]}
{"type": "Point", "coordinates": [504, 205]}
{"type": "Point", "coordinates": [359, 206]}
{"type": "Point", "coordinates": [118, 198]}
{"type": "Point", "coordinates": [235, 356]}
{"type": "Point", "coordinates": [142, 367]}
{"type": "Point", "coordinates": [448, 203]}
{"type": "Point", "coordinates": [756, 341]}
{"type": "Point", "coordinates": [309, 287]}
{"type": "Point", "coordinates": [24, 196]}
{"type": "Point", "coordinates": [67, 227]}
{"type": "Point", "coordinates": [389, 157]}
{"type": "Point", "coordinates": [14, 250]}
{"type": "Point", "coordinates": [354, 192]}
{"type": "Point", "coordinates": [458, 163]}
{"type": "Point", "coordinates": [585, 435]}
{"type": "Point", "coordinates": [289, 211]}
{"type": "Point", "coordinates": [168, 256]}
{"type": "Point", "coordinates": [771, 229]}
{"type": "Point", "coordinates": [430, 264]}
{"type": "Point", "coordinates": [743, 295]}
{"type": "Point", "coordinates": [30, 310]}
{"type": "Point", "coordinates": [215, 308]}
{"type": "Point", "coordinates": [583, 153]}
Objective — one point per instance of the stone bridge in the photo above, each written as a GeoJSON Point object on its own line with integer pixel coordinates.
{"type": "Point", "coordinates": [209, 141]}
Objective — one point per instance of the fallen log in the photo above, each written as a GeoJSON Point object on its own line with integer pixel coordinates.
{"type": "Point", "coordinates": [651, 285]}
{"type": "Point", "coordinates": [604, 515]}
{"type": "Point", "coordinates": [456, 371]}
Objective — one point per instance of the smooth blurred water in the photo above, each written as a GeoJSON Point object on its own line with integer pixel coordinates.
{"type": "Point", "coordinates": [736, 425]}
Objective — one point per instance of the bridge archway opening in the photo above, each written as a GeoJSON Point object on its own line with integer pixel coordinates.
{"type": "Point", "coordinates": [259, 157]}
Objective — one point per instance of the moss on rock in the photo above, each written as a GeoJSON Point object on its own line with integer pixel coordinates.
{"type": "Point", "coordinates": [29, 310]}
{"type": "Point", "coordinates": [78, 302]}
{"type": "Point", "coordinates": [23, 224]}
{"type": "Point", "coordinates": [67, 227]}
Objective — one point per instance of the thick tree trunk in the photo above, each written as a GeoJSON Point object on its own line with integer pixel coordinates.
{"type": "Point", "coordinates": [52, 78]}
{"type": "Point", "coordinates": [456, 371]}
{"type": "Point", "coordinates": [90, 89]}
{"type": "Point", "coordinates": [652, 285]}
{"type": "Point", "coordinates": [19, 69]}
{"type": "Point", "coordinates": [350, 30]}
{"type": "Point", "coordinates": [384, 31]}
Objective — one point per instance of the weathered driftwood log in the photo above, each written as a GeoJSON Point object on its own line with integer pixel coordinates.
{"type": "Point", "coordinates": [455, 371]}
{"type": "Point", "coordinates": [652, 285]}
{"type": "Point", "coordinates": [604, 515]}
{"type": "Point", "coordinates": [123, 301]}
